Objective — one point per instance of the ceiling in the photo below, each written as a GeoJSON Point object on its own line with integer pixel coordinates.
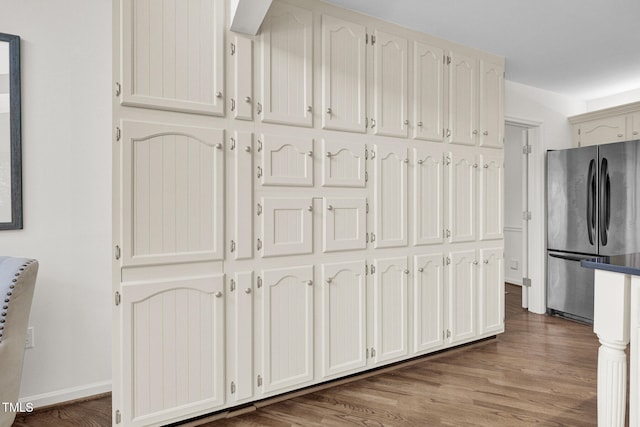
{"type": "Point", "coordinates": [585, 49]}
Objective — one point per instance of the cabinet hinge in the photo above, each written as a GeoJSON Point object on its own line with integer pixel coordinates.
{"type": "Point", "coordinates": [233, 387]}
{"type": "Point", "coordinates": [366, 153]}
{"type": "Point", "coordinates": [373, 154]}
{"type": "Point", "coordinates": [448, 333]}
{"type": "Point", "coordinates": [526, 149]}
{"type": "Point", "coordinates": [373, 40]}
{"type": "Point", "coordinates": [118, 134]}
{"type": "Point", "coordinates": [366, 176]}
{"type": "Point", "coordinates": [259, 282]}
{"type": "Point", "coordinates": [259, 145]}
{"type": "Point", "coordinates": [118, 252]}
{"type": "Point", "coordinates": [232, 140]}
{"type": "Point", "coordinates": [578, 131]}
{"type": "Point", "coordinates": [366, 269]}
{"type": "Point", "coordinates": [366, 122]}
{"type": "Point", "coordinates": [118, 298]}
{"type": "Point", "coordinates": [526, 215]}
{"type": "Point", "coordinates": [366, 39]}
{"type": "Point", "coordinates": [259, 210]}
{"type": "Point", "coordinates": [373, 237]}
{"type": "Point", "coordinates": [232, 247]}
{"type": "Point", "coordinates": [259, 381]}
{"type": "Point", "coordinates": [447, 160]}
{"type": "Point", "coordinates": [233, 49]}
{"type": "Point", "coordinates": [118, 89]}
{"type": "Point", "coordinates": [366, 237]}
{"type": "Point", "coordinates": [373, 352]}
{"type": "Point", "coordinates": [259, 107]}
{"type": "Point", "coordinates": [232, 285]}
{"type": "Point", "coordinates": [367, 207]}
{"type": "Point", "coordinates": [373, 269]}
{"type": "Point", "coordinates": [367, 352]}
{"type": "Point", "coordinates": [526, 282]}
{"type": "Point", "coordinates": [118, 416]}
{"type": "Point", "coordinates": [448, 261]}
{"type": "Point", "coordinates": [448, 60]}
{"type": "Point", "coordinates": [259, 173]}
{"type": "Point", "coordinates": [259, 244]}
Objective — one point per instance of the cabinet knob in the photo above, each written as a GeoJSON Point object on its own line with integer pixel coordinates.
{"type": "Point", "coordinates": [475, 132]}
{"type": "Point", "coordinates": [406, 122]}
{"type": "Point", "coordinates": [420, 161]}
{"type": "Point", "coordinates": [406, 160]}
{"type": "Point", "coordinates": [475, 262]}
{"type": "Point", "coordinates": [635, 132]}
{"type": "Point", "coordinates": [328, 110]}
{"type": "Point", "coordinates": [247, 99]}
{"type": "Point", "coordinates": [420, 124]}
{"type": "Point", "coordinates": [310, 208]}
{"type": "Point", "coordinates": [406, 272]}
{"type": "Point", "coordinates": [475, 165]}
{"type": "Point", "coordinates": [218, 294]}
{"type": "Point", "coordinates": [309, 282]}
{"type": "Point", "coordinates": [218, 94]}
{"type": "Point", "coordinates": [486, 166]}
{"type": "Point", "coordinates": [219, 146]}
{"type": "Point", "coordinates": [309, 108]}
{"type": "Point", "coordinates": [486, 132]}
{"type": "Point", "coordinates": [486, 261]}
{"type": "Point", "coordinates": [247, 291]}
{"type": "Point", "coordinates": [620, 135]}
{"type": "Point", "coordinates": [448, 133]}
{"type": "Point", "coordinates": [329, 280]}
{"type": "Point", "coordinates": [247, 149]}
{"type": "Point", "coordinates": [328, 154]}
{"type": "Point", "coordinates": [310, 153]}
{"type": "Point", "coordinates": [420, 269]}
{"type": "Point", "coordinates": [329, 208]}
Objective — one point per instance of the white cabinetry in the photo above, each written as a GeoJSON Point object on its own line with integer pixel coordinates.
{"type": "Point", "coordinates": [491, 105]}
{"type": "Point", "coordinates": [428, 303]}
{"type": "Point", "coordinates": [609, 125]}
{"type": "Point", "coordinates": [462, 284]}
{"type": "Point", "coordinates": [390, 85]}
{"type": "Point", "coordinates": [343, 75]}
{"type": "Point", "coordinates": [491, 197]}
{"type": "Point", "coordinates": [462, 171]}
{"type": "Point", "coordinates": [287, 62]}
{"type": "Point", "coordinates": [491, 289]}
{"type": "Point", "coordinates": [463, 92]}
{"type": "Point", "coordinates": [428, 197]}
{"type": "Point", "coordinates": [286, 161]}
{"type": "Point", "coordinates": [390, 195]}
{"type": "Point", "coordinates": [287, 226]}
{"type": "Point", "coordinates": [428, 90]}
{"type": "Point", "coordinates": [242, 74]}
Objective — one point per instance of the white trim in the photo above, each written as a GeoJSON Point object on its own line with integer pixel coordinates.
{"type": "Point", "coordinates": [605, 113]}
{"type": "Point", "coordinates": [67, 394]}
{"type": "Point", "coordinates": [513, 229]}
{"type": "Point", "coordinates": [513, 281]}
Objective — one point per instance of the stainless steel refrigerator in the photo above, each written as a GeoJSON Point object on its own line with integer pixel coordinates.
{"type": "Point", "coordinates": [593, 200]}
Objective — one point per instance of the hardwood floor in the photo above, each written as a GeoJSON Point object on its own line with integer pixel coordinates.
{"type": "Point", "coordinates": [541, 371]}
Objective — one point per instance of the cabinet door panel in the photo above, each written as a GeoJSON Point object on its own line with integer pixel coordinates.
{"type": "Point", "coordinates": [172, 193]}
{"type": "Point", "coordinates": [491, 300]}
{"type": "Point", "coordinates": [173, 349]}
{"type": "Point", "coordinates": [462, 170]}
{"type": "Point", "coordinates": [241, 305]}
{"type": "Point", "coordinates": [428, 92]}
{"type": "Point", "coordinates": [344, 329]}
{"type": "Point", "coordinates": [491, 198]}
{"type": "Point", "coordinates": [287, 87]}
{"type": "Point", "coordinates": [428, 303]}
{"type": "Point", "coordinates": [635, 126]}
{"type": "Point", "coordinates": [390, 85]}
{"type": "Point", "coordinates": [462, 100]}
{"type": "Point", "coordinates": [390, 201]}
{"type": "Point", "coordinates": [242, 102]}
{"type": "Point", "coordinates": [343, 75]}
{"type": "Point", "coordinates": [286, 161]}
{"type": "Point", "coordinates": [462, 296]}
{"type": "Point", "coordinates": [159, 35]}
{"type": "Point", "coordinates": [287, 226]}
{"type": "Point", "coordinates": [601, 131]}
{"type": "Point", "coordinates": [243, 195]}
{"type": "Point", "coordinates": [491, 105]}
{"type": "Point", "coordinates": [428, 197]}
{"type": "Point", "coordinates": [287, 327]}
{"type": "Point", "coordinates": [390, 309]}
{"type": "Point", "coordinates": [345, 223]}
{"type": "Point", "coordinates": [343, 164]}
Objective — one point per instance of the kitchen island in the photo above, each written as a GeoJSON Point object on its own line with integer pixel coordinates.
{"type": "Point", "coordinates": [616, 322]}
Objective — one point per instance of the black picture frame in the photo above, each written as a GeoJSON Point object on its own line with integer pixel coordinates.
{"type": "Point", "coordinates": [15, 133]}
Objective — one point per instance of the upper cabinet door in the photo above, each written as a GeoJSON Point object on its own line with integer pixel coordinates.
{"type": "Point", "coordinates": [343, 75]}
{"type": "Point", "coordinates": [242, 101]}
{"type": "Point", "coordinates": [428, 89]}
{"type": "Point", "coordinates": [286, 161]}
{"type": "Point", "coordinates": [173, 64]}
{"type": "Point", "coordinates": [287, 65]}
{"type": "Point", "coordinates": [390, 85]}
{"type": "Point", "coordinates": [491, 201]}
{"type": "Point", "coordinates": [428, 201]}
{"type": "Point", "coordinates": [343, 164]}
{"type": "Point", "coordinates": [601, 131]}
{"type": "Point", "coordinates": [462, 172]}
{"type": "Point", "coordinates": [463, 108]}
{"type": "Point", "coordinates": [491, 105]}
{"type": "Point", "coordinates": [390, 197]}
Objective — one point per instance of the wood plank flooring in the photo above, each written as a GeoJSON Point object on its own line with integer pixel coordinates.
{"type": "Point", "coordinates": [541, 371]}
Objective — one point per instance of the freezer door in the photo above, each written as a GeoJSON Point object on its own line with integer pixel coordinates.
{"type": "Point", "coordinates": [619, 210]}
{"type": "Point", "coordinates": [569, 286]}
{"type": "Point", "coordinates": [572, 177]}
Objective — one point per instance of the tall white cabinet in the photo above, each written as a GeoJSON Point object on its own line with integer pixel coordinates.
{"type": "Point", "coordinates": [294, 207]}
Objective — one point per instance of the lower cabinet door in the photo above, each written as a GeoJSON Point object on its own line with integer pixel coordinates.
{"type": "Point", "coordinates": [390, 309]}
{"type": "Point", "coordinates": [491, 300]}
{"type": "Point", "coordinates": [428, 302]}
{"type": "Point", "coordinates": [287, 226]}
{"type": "Point", "coordinates": [286, 328]}
{"type": "Point", "coordinates": [343, 317]}
{"type": "Point", "coordinates": [173, 348]}
{"type": "Point", "coordinates": [240, 309]}
{"type": "Point", "coordinates": [345, 223]}
{"type": "Point", "coordinates": [462, 296]}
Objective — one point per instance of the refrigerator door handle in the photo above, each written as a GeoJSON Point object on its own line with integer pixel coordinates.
{"type": "Point", "coordinates": [604, 173]}
{"type": "Point", "coordinates": [607, 189]}
{"type": "Point", "coordinates": [570, 257]}
{"type": "Point", "coordinates": [591, 206]}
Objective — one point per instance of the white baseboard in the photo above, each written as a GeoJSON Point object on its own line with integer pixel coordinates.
{"type": "Point", "coordinates": [513, 280]}
{"type": "Point", "coordinates": [67, 394]}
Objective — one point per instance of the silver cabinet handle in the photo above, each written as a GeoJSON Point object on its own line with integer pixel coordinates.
{"type": "Point", "coordinates": [247, 291]}
{"type": "Point", "coordinates": [420, 124]}
{"type": "Point", "coordinates": [329, 208]}
{"type": "Point", "coordinates": [309, 109]}
{"type": "Point", "coordinates": [233, 104]}
{"type": "Point", "coordinates": [247, 99]}
{"type": "Point", "coordinates": [406, 272]}
{"type": "Point", "coordinates": [420, 161]}
{"type": "Point", "coordinates": [421, 269]}
{"type": "Point", "coordinates": [218, 294]}
{"type": "Point", "coordinates": [247, 149]}
{"type": "Point", "coordinates": [373, 123]}
{"type": "Point", "coordinates": [218, 94]}
{"type": "Point", "coordinates": [448, 133]}
{"type": "Point", "coordinates": [329, 110]}
{"type": "Point", "coordinates": [328, 154]}
{"type": "Point", "coordinates": [486, 132]}
{"type": "Point", "coordinates": [310, 153]}
{"type": "Point", "coordinates": [310, 208]}
{"type": "Point", "coordinates": [309, 282]}
{"type": "Point", "coordinates": [329, 280]}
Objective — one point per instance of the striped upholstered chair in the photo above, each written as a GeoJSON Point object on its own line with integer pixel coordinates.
{"type": "Point", "coordinates": [17, 281]}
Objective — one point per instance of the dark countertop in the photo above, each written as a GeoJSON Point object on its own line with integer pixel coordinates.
{"type": "Point", "coordinates": [627, 264]}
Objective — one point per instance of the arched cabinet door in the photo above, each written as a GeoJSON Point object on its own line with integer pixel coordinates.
{"type": "Point", "coordinates": [428, 197]}
{"type": "Point", "coordinates": [462, 173]}
{"type": "Point", "coordinates": [491, 291]}
{"type": "Point", "coordinates": [491, 198]}
{"type": "Point", "coordinates": [491, 130]}
{"type": "Point", "coordinates": [428, 93]}
{"type": "Point", "coordinates": [462, 293]}
{"type": "Point", "coordinates": [463, 98]}
{"type": "Point", "coordinates": [428, 302]}
{"type": "Point", "coordinates": [390, 195]}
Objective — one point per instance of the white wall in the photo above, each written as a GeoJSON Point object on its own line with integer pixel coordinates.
{"type": "Point", "coordinates": [66, 127]}
{"type": "Point", "coordinates": [550, 111]}
{"type": "Point", "coordinates": [513, 171]}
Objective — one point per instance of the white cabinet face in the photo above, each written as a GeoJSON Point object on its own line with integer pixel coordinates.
{"type": "Point", "coordinates": [343, 164]}
{"type": "Point", "coordinates": [428, 88]}
{"type": "Point", "coordinates": [390, 197]}
{"type": "Point", "coordinates": [287, 86]}
{"type": "Point", "coordinates": [428, 302]}
{"type": "Point", "coordinates": [241, 339]}
{"type": "Point", "coordinates": [172, 193]}
{"type": "Point", "coordinates": [344, 317]}
{"type": "Point", "coordinates": [242, 101]}
{"type": "Point", "coordinates": [173, 64]}
{"type": "Point", "coordinates": [345, 223]}
{"type": "Point", "coordinates": [428, 197]}
{"type": "Point", "coordinates": [343, 75]}
{"type": "Point", "coordinates": [491, 298]}
{"type": "Point", "coordinates": [462, 295]}
{"type": "Point", "coordinates": [491, 198]}
{"type": "Point", "coordinates": [390, 309]}
{"type": "Point", "coordinates": [600, 131]}
{"type": "Point", "coordinates": [173, 348]}
{"type": "Point", "coordinates": [287, 327]}
{"type": "Point", "coordinates": [463, 89]}
{"type": "Point", "coordinates": [287, 226]}
{"type": "Point", "coordinates": [491, 105]}
{"type": "Point", "coordinates": [390, 85]}
{"type": "Point", "coordinates": [286, 161]}
{"type": "Point", "coordinates": [462, 171]}
{"type": "Point", "coordinates": [243, 195]}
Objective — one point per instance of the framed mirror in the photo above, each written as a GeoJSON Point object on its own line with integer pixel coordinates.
{"type": "Point", "coordinates": [10, 134]}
